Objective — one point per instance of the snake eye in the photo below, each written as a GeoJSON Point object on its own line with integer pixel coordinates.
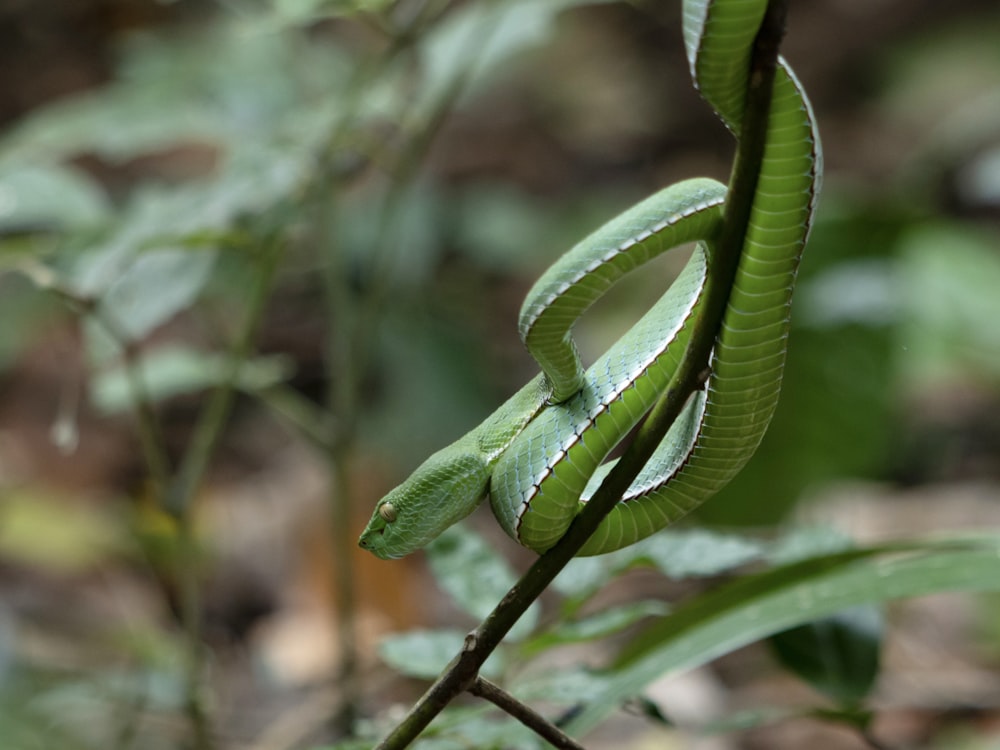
{"type": "Point", "coordinates": [388, 512]}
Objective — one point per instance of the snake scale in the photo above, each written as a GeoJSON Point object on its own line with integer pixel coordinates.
{"type": "Point", "coordinates": [543, 452]}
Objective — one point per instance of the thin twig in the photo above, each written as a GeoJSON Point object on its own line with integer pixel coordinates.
{"type": "Point", "coordinates": [349, 343]}
{"type": "Point", "coordinates": [179, 498]}
{"type": "Point", "coordinates": [214, 417]}
{"type": "Point", "coordinates": [147, 425]}
{"type": "Point", "coordinates": [524, 714]}
{"type": "Point", "coordinates": [299, 414]}
{"type": "Point", "coordinates": [691, 375]}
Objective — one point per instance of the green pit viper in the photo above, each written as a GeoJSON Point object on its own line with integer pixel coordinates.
{"type": "Point", "coordinates": [542, 453]}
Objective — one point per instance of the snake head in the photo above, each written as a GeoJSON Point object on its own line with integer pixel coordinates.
{"type": "Point", "coordinates": [443, 490]}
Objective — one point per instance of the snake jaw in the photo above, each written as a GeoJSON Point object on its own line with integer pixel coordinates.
{"type": "Point", "coordinates": [372, 537]}
{"type": "Point", "coordinates": [444, 489]}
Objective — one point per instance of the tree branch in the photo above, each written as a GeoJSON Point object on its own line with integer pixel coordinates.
{"type": "Point", "coordinates": [691, 375]}
{"type": "Point", "coordinates": [524, 714]}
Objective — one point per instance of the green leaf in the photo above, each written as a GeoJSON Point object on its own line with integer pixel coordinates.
{"type": "Point", "coordinates": [172, 371]}
{"type": "Point", "coordinates": [678, 554]}
{"type": "Point", "coordinates": [475, 576]}
{"type": "Point", "coordinates": [479, 38]}
{"type": "Point", "coordinates": [599, 625]}
{"type": "Point", "coordinates": [698, 553]}
{"type": "Point", "coordinates": [161, 255]}
{"type": "Point", "coordinates": [804, 542]}
{"type": "Point", "coordinates": [583, 576]}
{"type": "Point", "coordinates": [756, 606]}
{"type": "Point", "coordinates": [221, 85]}
{"type": "Point", "coordinates": [421, 653]}
{"type": "Point", "coordinates": [116, 123]}
{"type": "Point", "coordinates": [48, 197]}
{"type": "Point", "coordinates": [574, 685]}
{"type": "Point", "coordinates": [838, 655]}
{"type": "Point", "coordinates": [425, 653]}
{"type": "Point", "coordinates": [154, 288]}
{"type": "Point", "coordinates": [649, 710]}
{"type": "Point", "coordinates": [158, 223]}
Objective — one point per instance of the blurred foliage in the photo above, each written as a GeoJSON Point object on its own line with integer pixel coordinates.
{"type": "Point", "coordinates": [836, 648]}
{"type": "Point", "coordinates": [145, 209]}
{"type": "Point", "coordinates": [838, 655]}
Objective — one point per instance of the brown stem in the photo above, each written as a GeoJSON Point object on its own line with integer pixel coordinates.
{"type": "Point", "coordinates": [524, 714]}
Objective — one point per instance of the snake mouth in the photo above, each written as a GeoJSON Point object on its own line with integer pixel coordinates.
{"type": "Point", "coordinates": [371, 538]}
{"type": "Point", "coordinates": [365, 541]}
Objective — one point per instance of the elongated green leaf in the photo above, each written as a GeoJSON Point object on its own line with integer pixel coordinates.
{"type": "Point", "coordinates": [599, 625]}
{"type": "Point", "coordinates": [678, 554]}
{"type": "Point", "coordinates": [763, 604]}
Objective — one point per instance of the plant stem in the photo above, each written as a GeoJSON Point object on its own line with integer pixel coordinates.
{"type": "Point", "coordinates": [147, 426]}
{"type": "Point", "coordinates": [214, 417]}
{"type": "Point", "coordinates": [299, 414]}
{"type": "Point", "coordinates": [524, 714]}
{"type": "Point", "coordinates": [691, 375]}
{"type": "Point", "coordinates": [179, 498]}
{"type": "Point", "coordinates": [349, 347]}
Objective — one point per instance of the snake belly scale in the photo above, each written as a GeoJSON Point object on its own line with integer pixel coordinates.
{"type": "Point", "coordinates": [543, 452]}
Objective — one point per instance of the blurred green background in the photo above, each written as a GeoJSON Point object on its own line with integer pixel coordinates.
{"type": "Point", "coordinates": [155, 154]}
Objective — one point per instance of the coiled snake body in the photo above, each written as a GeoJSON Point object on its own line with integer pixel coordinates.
{"type": "Point", "coordinates": [542, 453]}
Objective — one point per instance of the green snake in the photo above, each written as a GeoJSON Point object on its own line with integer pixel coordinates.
{"type": "Point", "coordinates": [543, 452]}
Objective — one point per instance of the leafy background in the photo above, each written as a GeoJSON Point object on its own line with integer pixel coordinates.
{"type": "Point", "coordinates": [157, 157]}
